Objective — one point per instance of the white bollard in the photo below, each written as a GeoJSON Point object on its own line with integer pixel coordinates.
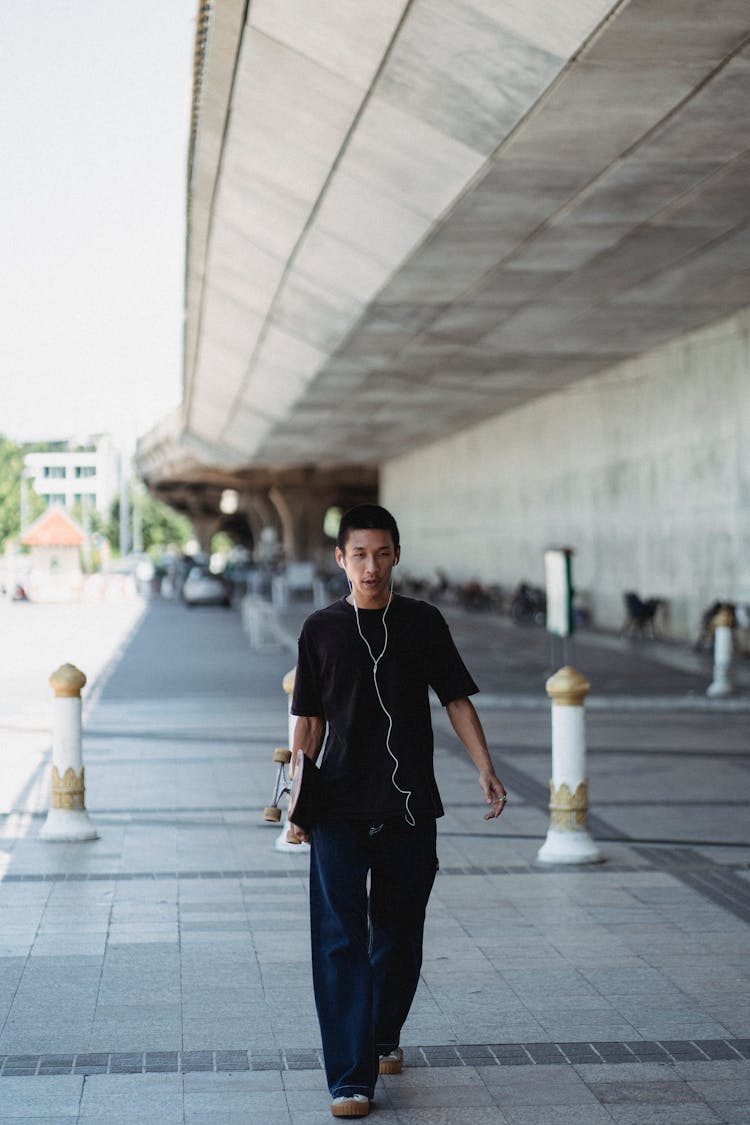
{"type": "Point", "coordinates": [721, 685]}
{"type": "Point", "coordinates": [67, 818]}
{"type": "Point", "coordinates": [568, 839]}
{"type": "Point", "coordinates": [284, 840]}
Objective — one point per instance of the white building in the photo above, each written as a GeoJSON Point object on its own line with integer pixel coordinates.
{"type": "Point", "coordinates": [87, 474]}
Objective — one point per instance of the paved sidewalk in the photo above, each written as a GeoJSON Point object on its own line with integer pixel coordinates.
{"type": "Point", "coordinates": [161, 974]}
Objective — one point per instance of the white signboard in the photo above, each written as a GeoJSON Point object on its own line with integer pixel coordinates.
{"type": "Point", "coordinates": [559, 591]}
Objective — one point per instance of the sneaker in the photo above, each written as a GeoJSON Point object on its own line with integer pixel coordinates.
{"type": "Point", "coordinates": [351, 1105]}
{"type": "Point", "coordinates": [393, 1062]}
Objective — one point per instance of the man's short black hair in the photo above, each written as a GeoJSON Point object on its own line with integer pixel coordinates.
{"type": "Point", "coordinates": [366, 517]}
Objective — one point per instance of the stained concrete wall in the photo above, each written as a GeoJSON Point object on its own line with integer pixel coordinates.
{"type": "Point", "coordinates": [644, 470]}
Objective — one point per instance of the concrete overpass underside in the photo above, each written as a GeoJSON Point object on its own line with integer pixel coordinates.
{"type": "Point", "coordinates": [407, 217]}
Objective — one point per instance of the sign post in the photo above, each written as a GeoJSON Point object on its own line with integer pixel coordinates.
{"type": "Point", "coordinates": [559, 581]}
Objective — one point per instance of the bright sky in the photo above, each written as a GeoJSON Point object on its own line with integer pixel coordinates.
{"type": "Point", "coordinates": [95, 98]}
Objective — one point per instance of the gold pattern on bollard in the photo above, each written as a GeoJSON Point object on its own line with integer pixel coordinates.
{"type": "Point", "coordinates": [68, 791]}
{"type": "Point", "coordinates": [288, 682]}
{"type": "Point", "coordinates": [568, 810]}
{"type": "Point", "coordinates": [68, 681]}
{"type": "Point", "coordinates": [568, 688]}
{"type": "Point", "coordinates": [724, 619]}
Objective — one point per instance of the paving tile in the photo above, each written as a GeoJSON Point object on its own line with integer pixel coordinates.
{"type": "Point", "coordinates": [107, 1118]}
{"type": "Point", "coordinates": [592, 1026]}
{"type": "Point", "coordinates": [161, 1061]}
{"type": "Point", "coordinates": [545, 1053]}
{"type": "Point", "coordinates": [197, 1061]}
{"type": "Point", "coordinates": [444, 1096]}
{"type": "Point", "coordinates": [613, 1052]}
{"type": "Point", "coordinates": [299, 1101]}
{"type": "Point", "coordinates": [629, 1092]}
{"type": "Point", "coordinates": [301, 1060]}
{"type": "Point", "coordinates": [580, 1053]}
{"type": "Point", "coordinates": [41, 1097]}
{"type": "Point", "coordinates": [539, 1085]}
{"type": "Point", "coordinates": [430, 1078]}
{"type": "Point", "coordinates": [148, 1098]}
{"type": "Point", "coordinates": [717, 1049]}
{"type": "Point", "coordinates": [455, 1115]}
{"type": "Point", "coordinates": [730, 1070]}
{"type": "Point", "coordinates": [229, 1118]}
{"type": "Point", "coordinates": [123, 1062]}
{"type": "Point", "coordinates": [647, 1051]}
{"type": "Point", "coordinates": [683, 1049]}
{"type": "Point", "coordinates": [637, 1072]}
{"type": "Point", "coordinates": [258, 1105]}
{"type": "Point", "coordinates": [556, 1115]}
{"type": "Point", "coordinates": [726, 1090]}
{"type": "Point", "coordinates": [511, 1054]}
{"type": "Point", "coordinates": [36, 1120]}
{"type": "Point", "coordinates": [308, 1080]}
{"type": "Point", "coordinates": [249, 1082]}
{"type": "Point", "coordinates": [658, 1114]}
{"type": "Point", "coordinates": [730, 1114]}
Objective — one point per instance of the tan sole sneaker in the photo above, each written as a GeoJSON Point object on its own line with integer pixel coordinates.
{"type": "Point", "coordinates": [356, 1106]}
{"type": "Point", "coordinates": [392, 1063]}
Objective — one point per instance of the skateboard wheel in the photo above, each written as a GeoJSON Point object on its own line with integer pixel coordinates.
{"type": "Point", "coordinates": [291, 838]}
{"type": "Point", "coordinates": [272, 813]}
{"type": "Point", "coordinates": [283, 756]}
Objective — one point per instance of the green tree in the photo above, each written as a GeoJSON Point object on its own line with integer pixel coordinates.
{"type": "Point", "coordinates": [11, 475]}
{"type": "Point", "coordinates": [160, 524]}
{"type": "Point", "coordinates": [96, 521]}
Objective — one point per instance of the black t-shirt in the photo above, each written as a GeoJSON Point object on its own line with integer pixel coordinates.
{"type": "Point", "coordinates": [335, 682]}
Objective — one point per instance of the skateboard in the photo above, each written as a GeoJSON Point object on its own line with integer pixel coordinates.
{"type": "Point", "coordinates": [282, 788]}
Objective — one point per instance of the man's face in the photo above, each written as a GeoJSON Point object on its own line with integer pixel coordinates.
{"type": "Point", "coordinates": [368, 559]}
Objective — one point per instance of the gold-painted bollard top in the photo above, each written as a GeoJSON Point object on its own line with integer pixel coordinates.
{"type": "Point", "coordinates": [68, 681]}
{"type": "Point", "coordinates": [723, 620]}
{"type": "Point", "coordinates": [288, 682]}
{"type": "Point", "coordinates": [568, 688]}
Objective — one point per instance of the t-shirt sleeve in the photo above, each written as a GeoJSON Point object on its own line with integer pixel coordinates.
{"type": "Point", "coordinates": [449, 676]}
{"type": "Point", "coordinates": [306, 697]}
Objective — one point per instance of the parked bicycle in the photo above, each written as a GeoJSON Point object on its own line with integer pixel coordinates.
{"type": "Point", "coordinates": [528, 605]}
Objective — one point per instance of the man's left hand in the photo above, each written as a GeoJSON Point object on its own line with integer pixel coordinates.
{"type": "Point", "coordinates": [495, 795]}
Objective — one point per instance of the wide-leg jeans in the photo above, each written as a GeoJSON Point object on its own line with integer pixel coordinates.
{"type": "Point", "coordinates": [367, 948]}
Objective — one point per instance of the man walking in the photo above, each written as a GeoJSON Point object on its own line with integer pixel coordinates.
{"type": "Point", "coordinates": [364, 670]}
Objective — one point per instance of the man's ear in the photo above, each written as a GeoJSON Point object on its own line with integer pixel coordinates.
{"type": "Point", "coordinates": [398, 556]}
{"type": "Point", "coordinates": [339, 554]}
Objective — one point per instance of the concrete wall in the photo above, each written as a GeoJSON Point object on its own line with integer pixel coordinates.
{"type": "Point", "coordinates": [644, 470]}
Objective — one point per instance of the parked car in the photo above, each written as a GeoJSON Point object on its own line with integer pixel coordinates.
{"type": "Point", "coordinates": [203, 587]}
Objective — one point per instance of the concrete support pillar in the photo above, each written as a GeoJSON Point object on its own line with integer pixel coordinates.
{"type": "Point", "coordinates": [67, 818]}
{"type": "Point", "coordinates": [721, 685]}
{"type": "Point", "coordinates": [568, 839]}
{"type": "Point", "coordinates": [279, 500]}
{"type": "Point", "coordinates": [205, 529]}
{"type": "Point", "coordinates": [301, 512]}
{"type": "Point", "coordinates": [259, 512]}
{"type": "Point", "coordinates": [286, 842]}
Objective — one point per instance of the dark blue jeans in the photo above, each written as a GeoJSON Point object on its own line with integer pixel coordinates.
{"type": "Point", "coordinates": [367, 949]}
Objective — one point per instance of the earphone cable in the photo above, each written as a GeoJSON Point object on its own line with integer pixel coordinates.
{"type": "Point", "coordinates": [407, 793]}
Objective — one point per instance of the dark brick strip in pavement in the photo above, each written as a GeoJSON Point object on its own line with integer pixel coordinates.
{"type": "Point", "coordinates": [448, 1055]}
{"type": "Point", "coordinates": [712, 880]}
{"type": "Point", "coordinates": [680, 861]}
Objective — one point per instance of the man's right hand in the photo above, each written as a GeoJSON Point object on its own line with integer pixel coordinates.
{"type": "Point", "coordinates": [301, 837]}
